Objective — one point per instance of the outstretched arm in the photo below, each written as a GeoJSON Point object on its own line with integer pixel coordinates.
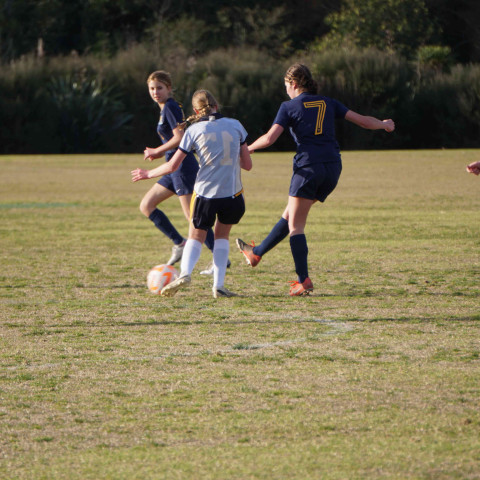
{"type": "Point", "coordinates": [169, 167]}
{"type": "Point", "coordinates": [370, 123]}
{"type": "Point", "coordinates": [268, 139]}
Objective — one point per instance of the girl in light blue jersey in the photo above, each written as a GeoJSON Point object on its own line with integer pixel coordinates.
{"type": "Point", "coordinates": [316, 166]}
{"type": "Point", "coordinates": [220, 144]}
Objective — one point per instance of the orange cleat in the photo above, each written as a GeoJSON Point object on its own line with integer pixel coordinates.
{"type": "Point", "coordinates": [247, 250]}
{"type": "Point", "coordinates": [298, 289]}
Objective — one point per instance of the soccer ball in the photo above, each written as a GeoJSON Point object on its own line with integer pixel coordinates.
{"type": "Point", "coordinates": [160, 276]}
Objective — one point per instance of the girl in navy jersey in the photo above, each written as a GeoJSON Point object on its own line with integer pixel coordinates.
{"type": "Point", "coordinates": [316, 164]}
{"type": "Point", "coordinates": [178, 183]}
{"type": "Point", "coordinates": [220, 144]}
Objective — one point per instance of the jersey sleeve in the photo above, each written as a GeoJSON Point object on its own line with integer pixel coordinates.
{"type": "Point", "coordinates": [340, 109]}
{"type": "Point", "coordinates": [186, 143]}
{"type": "Point", "coordinates": [282, 118]}
{"type": "Point", "coordinates": [173, 115]}
{"type": "Point", "coordinates": [243, 133]}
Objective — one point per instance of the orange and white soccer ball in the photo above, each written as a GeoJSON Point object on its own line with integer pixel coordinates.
{"type": "Point", "coordinates": [160, 276]}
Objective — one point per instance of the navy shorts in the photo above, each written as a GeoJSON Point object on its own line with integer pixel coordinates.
{"type": "Point", "coordinates": [182, 181]}
{"type": "Point", "coordinates": [178, 184]}
{"type": "Point", "coordinates": [315, 182]}
{"type": "Point", "coordinates": [205, 211]}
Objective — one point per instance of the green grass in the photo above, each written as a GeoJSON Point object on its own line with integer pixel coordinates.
{"type": "Point", "coordinates": [375, 376]}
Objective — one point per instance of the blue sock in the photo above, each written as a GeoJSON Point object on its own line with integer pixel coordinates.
{"type": "Point", "coordinates": [276, 235]}
{"type": "Point", "coordinates": [162, 222]}
{"type": "Point", "coordinates": [298, 245]}
{"type": "Point", "coordinates": [210, 240]}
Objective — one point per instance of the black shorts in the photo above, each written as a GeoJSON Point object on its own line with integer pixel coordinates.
{"type": "Point", "coordinates": [315, 182]}
{"type": "Point", "coordinates": [204, 211]}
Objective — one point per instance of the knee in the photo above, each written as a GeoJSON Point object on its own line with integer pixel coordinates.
{"type": "Point", "coordinates": [198, 235]}
{"type": "Point", "coordinates": [146, 208]}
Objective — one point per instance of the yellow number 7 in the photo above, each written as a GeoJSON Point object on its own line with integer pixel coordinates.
{"type": "Point", "coordinates": [320, 104]}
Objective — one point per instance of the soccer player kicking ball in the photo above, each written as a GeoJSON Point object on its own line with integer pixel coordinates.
{"type": "Point", "coordinates": [316, 166]}
{"type": "Point", "coordinates": [220, 143]}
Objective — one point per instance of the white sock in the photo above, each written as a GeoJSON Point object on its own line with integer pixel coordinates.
{"type": "Point", "coordinates": [191, 254]}
{"type": "Point", "coordinates": [221, 249]}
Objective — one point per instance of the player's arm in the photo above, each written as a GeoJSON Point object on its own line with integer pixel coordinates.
{"type": "Point", "coordinates": [165, 169]}
{"type": "Point", "coordinates": [152, 153]}
{"type": "Point", "coordinates": [370, 123]}
{"type": "Point", "coordinates": [268, 139]}
{"type": "Point", "coordinates": [474, 168]}
{"type": "Point", "coordinates": [245, 158]}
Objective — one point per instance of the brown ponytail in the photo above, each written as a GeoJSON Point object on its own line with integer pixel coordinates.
{"type": "Point", "coordinates": [301, 75]}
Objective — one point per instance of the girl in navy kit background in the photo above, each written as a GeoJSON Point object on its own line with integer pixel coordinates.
{"type": "Point", "coordinates": [316, 165]}
{"type": "Point", "coordinates": [178, 183]}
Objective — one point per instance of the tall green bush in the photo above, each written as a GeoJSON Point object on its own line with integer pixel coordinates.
{"type": "Point", "coordinates": [445, 111]}
{"type": "Point", "coordinates": [441, 110]}
{"type": "Point", "coordinates": [27, 119]}
{"type": "Point", "coordinates": [88, 112]}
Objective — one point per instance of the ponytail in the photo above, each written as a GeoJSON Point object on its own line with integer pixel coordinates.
{"type": "Point", "coordinates": [204, 103]}
{"type": "Point", "coordinates": [301, 75]}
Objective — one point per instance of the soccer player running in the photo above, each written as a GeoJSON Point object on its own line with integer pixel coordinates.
{"type": "Point", "coordinates": [316, 165]}
{"type": "Point", "coordinates": [178, 183]}
{"type": "Point", "coordinates": [220, 143]}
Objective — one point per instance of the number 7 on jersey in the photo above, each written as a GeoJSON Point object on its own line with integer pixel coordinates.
{"type": "Point", "coordinates": [321, 105]}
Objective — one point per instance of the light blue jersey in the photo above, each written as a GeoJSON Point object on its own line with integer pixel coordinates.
{"type": "Point", "coordinates": [216, 140]}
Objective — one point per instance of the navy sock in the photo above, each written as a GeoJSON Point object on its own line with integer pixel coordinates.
{"type": "Point", "coordinates": [162, 222]}
{"type": "Point", "coordinates": [276, 235]}
{"type": "Point", "coordinates": [298, 245]}
{"type": "Point", "coordinates": [210, 240]}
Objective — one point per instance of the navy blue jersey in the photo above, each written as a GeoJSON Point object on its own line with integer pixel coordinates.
{"type": "Point", "coordinates": [311, 120]}
{"type": "Point", "coordinates": [171, 115]}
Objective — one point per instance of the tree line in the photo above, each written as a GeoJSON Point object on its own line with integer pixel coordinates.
{"type": "Point", "coordinates": [72, 76]}
{"type": "Point", "coordinates": [58, 27]}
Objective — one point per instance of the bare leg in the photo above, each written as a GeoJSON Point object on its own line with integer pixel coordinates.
{"type": "Point", "coordinates": [156, 195]}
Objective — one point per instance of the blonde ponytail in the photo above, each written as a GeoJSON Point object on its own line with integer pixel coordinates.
{"type": "Point", "coordinates": [204, 103]}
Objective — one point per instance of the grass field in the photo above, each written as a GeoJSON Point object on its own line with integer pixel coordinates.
{"type": "Point", "coordinates": [374, 376]}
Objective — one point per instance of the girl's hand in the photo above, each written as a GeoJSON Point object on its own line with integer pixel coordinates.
{"type": "Point", "coordinates": [389, 125]}
{"type": "Point", "coordinates": [149, 154]}
{"type": "Point", "coordinates": [139, 174]}
{"type": "Point", "coordinates": [474, 168]}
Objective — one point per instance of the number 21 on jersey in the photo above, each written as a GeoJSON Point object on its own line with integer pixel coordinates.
{"type": "Point", "coordinates": [209, 143]}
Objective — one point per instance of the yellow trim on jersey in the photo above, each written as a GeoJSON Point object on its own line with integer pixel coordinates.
{"type": "Point", "coordinates": [238, 194]}
{"type": "Point", "coordinates": [322, 106]}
